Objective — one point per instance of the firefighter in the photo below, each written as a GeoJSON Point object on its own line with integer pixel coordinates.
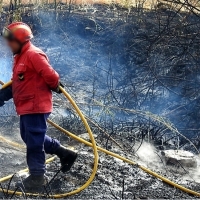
{"type": "Point", "coordinates": [33, 81]}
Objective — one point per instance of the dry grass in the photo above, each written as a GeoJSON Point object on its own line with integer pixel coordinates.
{"type": "Point", "coordinates": [181, 5]}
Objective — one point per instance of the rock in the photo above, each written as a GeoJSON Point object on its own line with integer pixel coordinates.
{"type": "Point", "coordinates": [86, 136]}
{"type": "Point", "coordinates": [185, 158]}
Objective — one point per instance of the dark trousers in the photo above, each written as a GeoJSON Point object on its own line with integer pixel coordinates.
{"type": "Point", "coordinates": [33, 129]}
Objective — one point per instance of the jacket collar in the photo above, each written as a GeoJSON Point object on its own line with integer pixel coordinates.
{"type": "Point", "coordinates": [23, 49]}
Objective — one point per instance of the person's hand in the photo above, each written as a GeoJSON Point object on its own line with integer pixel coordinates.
{"type": "Point", "coordinates": [1, 103]}
{"type": "Point", "coordinates": [57, 90]}
{"type": "Point", "coordinates": [5, 95]}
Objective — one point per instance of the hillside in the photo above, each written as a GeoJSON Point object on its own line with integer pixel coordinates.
{"type": "Point", "coordinates": [135, 75]}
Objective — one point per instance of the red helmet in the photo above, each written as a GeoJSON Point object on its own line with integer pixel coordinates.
{"type": "Point", "coordinates": [18, 31]}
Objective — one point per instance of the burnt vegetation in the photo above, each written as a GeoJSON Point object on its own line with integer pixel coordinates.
{"type": "Point", "coordinates": [134, 72]}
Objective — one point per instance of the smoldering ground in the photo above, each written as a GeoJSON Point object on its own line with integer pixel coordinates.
{"type": "Point", "coordinates": [111, 57]}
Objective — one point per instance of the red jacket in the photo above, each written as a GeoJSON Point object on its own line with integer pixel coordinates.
{"type": "Point", "coordinates": [33, 78]}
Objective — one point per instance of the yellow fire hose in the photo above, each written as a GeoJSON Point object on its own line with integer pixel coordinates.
{"type": "Point", "coordinates": [11, 143]}
{"type": "Point", "coordinates": [96, 157]}
{"type": "Point", "coordinates": [24, 170]}
{"type": "Point", "coordinates": [93, 145]}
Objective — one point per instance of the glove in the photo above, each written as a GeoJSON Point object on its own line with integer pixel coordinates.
{"type": "Point", "coordinates": [5, 95]}
{"type": "Point", "coordinates": [57, 90]}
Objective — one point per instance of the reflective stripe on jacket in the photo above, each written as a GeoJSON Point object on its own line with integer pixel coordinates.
{"type": "Point", "coordinates": [33, 78]}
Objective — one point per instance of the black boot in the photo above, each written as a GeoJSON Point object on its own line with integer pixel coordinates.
{"type": "Point", "coordinates": [33, 183]}
{"type": "Point", "coordinates": [67, 158]}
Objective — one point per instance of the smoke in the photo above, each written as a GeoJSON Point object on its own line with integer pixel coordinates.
{"type": "Point", "coordinates": [150, 157]}
{"type": "Point", "coordinates": [193, 174]}
{"type": "Point", "coordinates": [5, 62]}
{"type": "Point", "coordinates": [104, 61]}
{"type": "Point", "coordinates": [147, 154]}
{"type": "Point", "coordinates": [108, 62]}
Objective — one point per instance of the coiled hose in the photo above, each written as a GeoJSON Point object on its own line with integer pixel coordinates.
{"type": "Point", "coordinates": [96, 157]}
{"type": "Point", "coordinates": [95, 148]}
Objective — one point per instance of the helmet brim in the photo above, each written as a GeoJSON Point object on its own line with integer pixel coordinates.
{"type": "Point", "coordinates": [7, 34]}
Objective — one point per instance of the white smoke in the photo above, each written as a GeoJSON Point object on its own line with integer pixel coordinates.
{"type": "Point", "coordinates": [147, 154]}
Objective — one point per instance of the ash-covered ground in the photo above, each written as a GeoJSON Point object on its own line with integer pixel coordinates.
{"type": "Point", "coordinates": [114, 179]}
{"type": "Point", "coordinates": [134, 73]}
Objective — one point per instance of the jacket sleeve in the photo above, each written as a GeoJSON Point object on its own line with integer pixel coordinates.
{"type": "Point", "coordinates": [41, 65]}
